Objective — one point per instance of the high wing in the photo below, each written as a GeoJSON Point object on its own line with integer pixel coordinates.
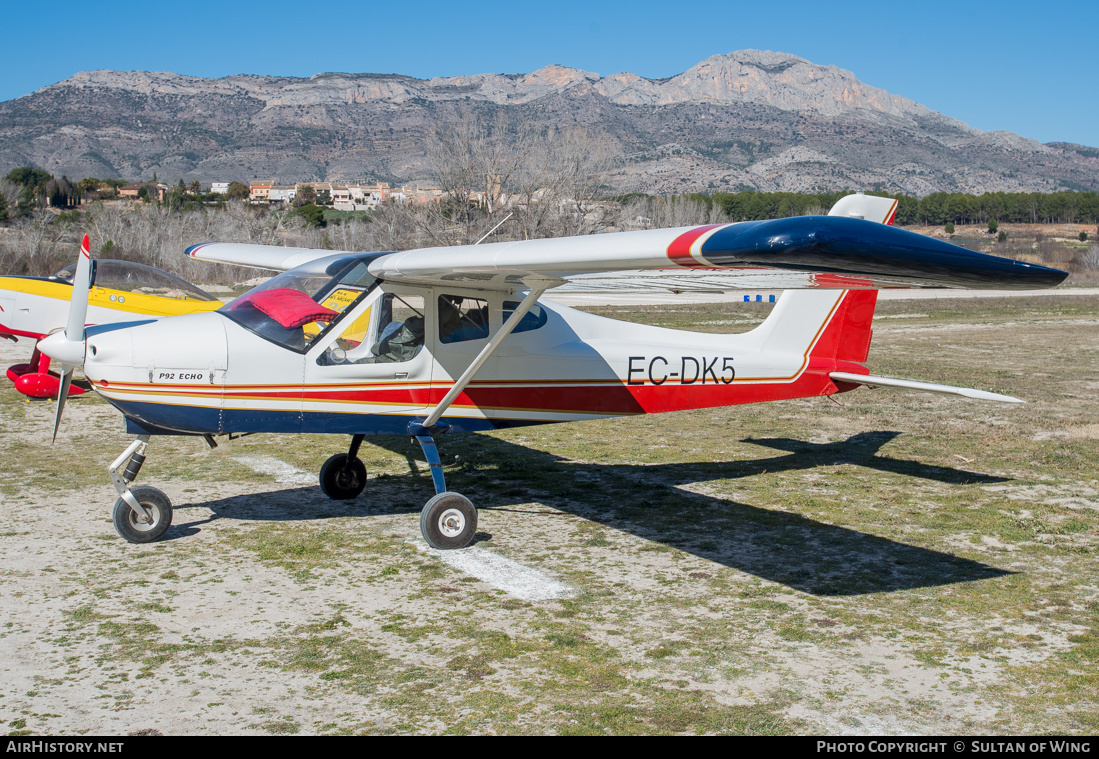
{"type": "Point", "coordinates": [854, 247]}
{"type": "Point", "coordinates": [858, 206]}
{"type": "Point", "coordinates": [272, 257]}
{"type": "Point", "coordinates": [797, 252]}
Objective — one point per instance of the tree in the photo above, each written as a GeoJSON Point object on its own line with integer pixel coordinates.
{"type": "Point", "coordinates": [1083, 237]}
{"type": "Point", "coordinates": [993, 225]}
{"type": "Point", "coordinates": [546, 180]}
{"type": "Point", "coordinates": [305, 196]}
{"type": "Point", "coordinates": [949, 228]}
{"type": "Point", "coordinates": [238, 191]}
{"type": "Point", "coordinates": [1002, 237]}
{"type": "Point", "coordinates": [312, 214]}
{"type": "Point", "coordinates": [196, 187]}
{"type": "Point", "coordinates": [87, 186]}
{"type": "Point", "coordinates": [3, 209]}
{"type": "Point", "coordinates": [58, 193]}
{"type": "Point", "coordinates": [28, 176]}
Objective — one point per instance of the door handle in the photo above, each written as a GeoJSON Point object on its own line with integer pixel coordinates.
{"type": "Point", "coordinates": [400, 375]}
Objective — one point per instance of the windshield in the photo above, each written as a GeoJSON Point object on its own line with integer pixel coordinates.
{"type": "Point", "coordinates": [298, 306]}
{"type": "Point", "coordinates": [137, 278]}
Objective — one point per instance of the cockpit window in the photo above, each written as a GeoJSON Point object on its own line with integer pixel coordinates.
{"type": "Point", "coordinates": [296, 307]}
{"type": "Point", "coordinates": [397, 335]}
{"type": "Point", "coordinates": [462, 319]}
{"type": "Point", "coordinates": [532, 319]}
{"type": "Point", "coordinates": [137, 278]}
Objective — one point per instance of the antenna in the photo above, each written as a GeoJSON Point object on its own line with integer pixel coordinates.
{"type": "Point", "coordinates": [495, 228]}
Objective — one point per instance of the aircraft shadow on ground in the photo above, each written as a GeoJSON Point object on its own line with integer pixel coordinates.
{"type": "Point", "coordinates": [646, 500]}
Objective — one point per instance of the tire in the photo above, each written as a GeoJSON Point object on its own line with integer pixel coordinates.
{"type": "Point", "coordinates": [126, 522]}
{"type": "Point", "coordinates": [340, 482]}
{"type": "Point", "coordinates": [448, 521]}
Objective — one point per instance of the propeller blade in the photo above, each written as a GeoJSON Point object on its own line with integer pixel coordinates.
{"type": "Point", "coordinates": [62, 395]}
{"type": "Point", "coordinates": [78, 306]}
{"type": "Point", "coordinates": [69, 347]}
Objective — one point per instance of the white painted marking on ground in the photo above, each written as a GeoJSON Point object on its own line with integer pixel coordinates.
{"type": "Point", "coordinates": [509, 576]}
{"type": "Point", "coordinates": [280, 470]}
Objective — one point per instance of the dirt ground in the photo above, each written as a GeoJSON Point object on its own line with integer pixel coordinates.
{"type": "Point", "coordinates": [898, 564]}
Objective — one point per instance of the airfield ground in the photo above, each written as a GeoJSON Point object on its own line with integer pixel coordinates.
{"type": "Point", "coordinates": [898, 564]}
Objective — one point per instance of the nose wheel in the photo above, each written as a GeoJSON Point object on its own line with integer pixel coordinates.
{"type": "Point", "coordinates": [141, 514]}
{"type": "Point", "coordinates": [147, 525]}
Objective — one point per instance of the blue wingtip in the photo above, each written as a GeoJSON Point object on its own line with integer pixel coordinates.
{"type": "Point", "coordinates": [858, 248]}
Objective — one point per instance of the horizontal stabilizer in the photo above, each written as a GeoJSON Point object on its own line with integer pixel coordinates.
{"type": "Point", "coordinates": [869, 207]}
{"type": "Point", "coordinates": [927, 387]}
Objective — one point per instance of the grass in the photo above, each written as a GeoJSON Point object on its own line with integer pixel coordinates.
{"type": "Point", "coordinates": [899, 563]}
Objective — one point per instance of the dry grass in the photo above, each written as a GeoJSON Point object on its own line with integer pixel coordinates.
{"type": "Point", "coordinates": [900, 564]}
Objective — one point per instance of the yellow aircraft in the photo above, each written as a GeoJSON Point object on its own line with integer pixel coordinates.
{"type": "Point", "coordinates": [122, 291]}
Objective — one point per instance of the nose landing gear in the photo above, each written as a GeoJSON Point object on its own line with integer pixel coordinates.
{"type": "Point", "coordinates": [141, 514]}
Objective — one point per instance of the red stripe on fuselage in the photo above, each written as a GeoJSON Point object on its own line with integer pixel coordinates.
{"type": "Point", "coordinates": [829, 351]}
{"type": "Point", "coordinates": [618, 399]}
{"type": "Point", "coordinates": [679, 251]}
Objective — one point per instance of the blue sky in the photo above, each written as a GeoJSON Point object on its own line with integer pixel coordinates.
{"type": "Point", "coordinates": [1021, 66]}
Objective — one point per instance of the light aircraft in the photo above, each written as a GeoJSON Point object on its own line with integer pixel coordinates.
{"type": "Point", "coordinates": [455, 339]}
{"type": "Point", "coordinates": [33, 307]}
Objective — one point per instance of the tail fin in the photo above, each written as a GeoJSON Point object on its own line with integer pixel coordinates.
{"type": "Point", "coordinates": [829, 325]}
{"type": "Point", "coordinates": [848, 335]}
{"type": "Point", "coordinates": [869, 207]}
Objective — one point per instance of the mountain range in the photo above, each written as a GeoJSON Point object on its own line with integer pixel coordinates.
{"type": "Point", "coordinates": [747, 120]}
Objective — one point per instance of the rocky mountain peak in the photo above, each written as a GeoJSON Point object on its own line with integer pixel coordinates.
{"type": "Point", "coordinates": [750, 118]}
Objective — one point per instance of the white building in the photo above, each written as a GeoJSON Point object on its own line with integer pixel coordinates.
{"type": "Point", "coordinates": [221, 188]}
{"type": "Point", "coordinates": [282, 194]}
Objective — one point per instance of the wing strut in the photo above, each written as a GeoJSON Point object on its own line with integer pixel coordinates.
{"type": "Point", "coordinates": [425, 427]}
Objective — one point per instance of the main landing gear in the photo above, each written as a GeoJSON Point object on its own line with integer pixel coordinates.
{"type": "Point", "coordinates": [344, 476]}
{"type": "Point", "coordinates": [141, 514]}
{"type": "Point", "coordinates": [448, 520]}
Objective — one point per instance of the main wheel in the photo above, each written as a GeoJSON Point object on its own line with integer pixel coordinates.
{"type": "Point", "coordinates": [137, 529]}
{"type": "Point", "coordinates": [449, 520]}
{"type": "Point", "coordinates": [340, 481]}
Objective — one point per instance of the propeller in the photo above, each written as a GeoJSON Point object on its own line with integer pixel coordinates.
{"type": "Point", "coordinates": [68, 346]}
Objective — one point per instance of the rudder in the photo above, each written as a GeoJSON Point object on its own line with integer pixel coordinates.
{"type": "Point", "coordinates": [848, 335]}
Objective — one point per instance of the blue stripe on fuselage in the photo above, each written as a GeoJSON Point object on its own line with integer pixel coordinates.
{"type": "Point", "coordinates": [167, 419]}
